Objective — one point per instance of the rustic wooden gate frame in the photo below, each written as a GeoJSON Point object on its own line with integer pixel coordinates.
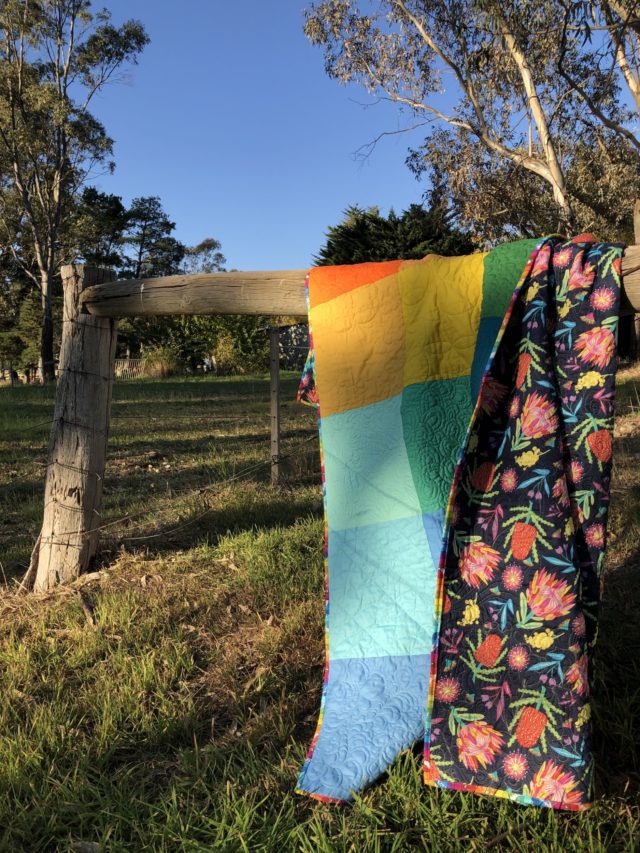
{"type": "Point", "coordinates": [93, 303]}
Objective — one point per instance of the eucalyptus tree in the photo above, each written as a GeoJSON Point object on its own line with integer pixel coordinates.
{"type": "Point", "coordinates": [55, 57]}
{"type": "Point", "coordinates": [503, 125]}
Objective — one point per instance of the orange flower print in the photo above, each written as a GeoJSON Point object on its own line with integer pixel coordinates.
{"type": "Point", "coordinates": [548, 597]}
{"type": "Point", "coordinates": [524, 362]}
{"type": "Point", "coordinates": [602, 299]}
{"type": "Point", "coordinates": [600, 444]}
{"type": "Point", "coordinates": [579, 625]}
{"type": "Point", "coordinates": [555, 785]}
{"type": "Point", "coordinates": [512, 578]}
{"type": "Point", "coordinates": [514, 407]}
{"type": "Point", "coordinates": [492, 394]}
{"type": "Point", "coordinates": [577, 471]}
{"type": "Point", "coordinates": [596, 346]}
{"type": "Point", "coordinates": [482, 477]}
{"type": "Point", "coordinates": [578, 675]}
{"type": "Point", "coordinates": [561, 491]}
{"type": "Point", "coordinates": [509, 480]}
{"type": "Point", "coordinates": [562, 257]}
{"type": "Point", "coordinates": [447, 690]}
{"type": "Point", "coordinates": [518, 658]}
{"type": "Point", "coordinates": [478, 563]}
{"type": "Point", "coordinates": [478, 744]}
{"type": "Point", "coordinates": [515, 765]}
{"type": "Point", "coordinates": [594, 535]}
{"type": "Point", "coordinates": [538, 416]}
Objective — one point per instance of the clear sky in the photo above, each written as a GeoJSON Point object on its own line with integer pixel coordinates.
{"type": "Point", "coordinates": [230, 118]}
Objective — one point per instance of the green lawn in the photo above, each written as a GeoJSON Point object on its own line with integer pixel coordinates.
{"type": "Point", "coordinates": [180, 721]}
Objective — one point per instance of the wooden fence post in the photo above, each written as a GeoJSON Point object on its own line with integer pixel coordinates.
{"type": "Point", "coordinates": [78, 442]}
{"type": "Point", "coordinates": [274, 363]}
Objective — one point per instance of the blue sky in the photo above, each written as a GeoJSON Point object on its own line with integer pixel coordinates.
{"type": "Point", "coordinates": [231, 120]}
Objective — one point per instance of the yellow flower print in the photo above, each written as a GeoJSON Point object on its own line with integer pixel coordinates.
{"type": "Point", "coordinates": [528, 458]}
{"type": "Point", "coordinates": [471, 614]}
{"type": "Point", "coordinates": [592, 379]}
{"type": "Point", "coordinates": [532, 292]}
{"type": "Point", "coordinates": [564, 309]}
{"type": "Point", "coordinates": [584, 716]}
{"type": "Point", "coordinates": [542, 640]}
{"type": "Point", "coordinates": [569, 528]}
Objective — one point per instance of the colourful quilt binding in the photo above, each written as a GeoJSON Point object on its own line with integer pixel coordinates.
{"type": "Point", "coordinates": [400, 357]}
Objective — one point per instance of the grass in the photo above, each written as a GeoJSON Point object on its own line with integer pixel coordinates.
{"type": "Point", "coordinates": [180, 721]}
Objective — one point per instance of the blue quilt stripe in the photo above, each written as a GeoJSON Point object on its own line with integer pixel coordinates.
{"type": "Point", "coordinates": [374, 708]}
{"type": "Point", "coordinates": [487, 334]}
{"type": "Point", "coordinates": [381, 590]}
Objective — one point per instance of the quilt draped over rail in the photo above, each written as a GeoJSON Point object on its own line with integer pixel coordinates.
{"type": "Point", "coordinates": [466, 418]}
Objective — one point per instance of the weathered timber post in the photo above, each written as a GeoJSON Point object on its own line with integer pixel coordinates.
{"type": "Point", "coordinates": [636, 320]}
{"type": "Point", "coordinates": [274, 363]}
{"type": "Point", "coordinates": [78, 442]}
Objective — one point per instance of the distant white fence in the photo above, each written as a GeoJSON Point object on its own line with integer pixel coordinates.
{"type": "Point", "coordinates": [128, 368]}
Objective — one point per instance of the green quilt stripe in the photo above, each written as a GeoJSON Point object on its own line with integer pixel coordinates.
{"type": "Point", "coordinates": [435, 416]}
{"type": "Point", "coordinates": [502, 270]}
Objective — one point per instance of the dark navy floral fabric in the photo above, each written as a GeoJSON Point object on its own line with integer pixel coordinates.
{"type": "Point", "coordinates": [524, 543]}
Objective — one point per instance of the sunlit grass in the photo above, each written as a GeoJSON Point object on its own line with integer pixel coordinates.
{"type": "Point", "coordinates": [179, 721]}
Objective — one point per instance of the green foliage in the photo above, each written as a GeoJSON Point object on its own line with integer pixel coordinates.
{"type": "Point", "coordinates": [159, 362]}
{"type": "Point", "coordinates": [96, 229]}
{"type": "Point", "coordinates": [366, 235]}
{"type": "Point", "coordinates": [55, 56]}
{"type": "Point", "coordinates": [149, 248]}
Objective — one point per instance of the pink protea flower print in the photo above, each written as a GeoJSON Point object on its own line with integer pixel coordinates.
{"type": "Point", "coordinates": [509, 480]}
{"type": "Point", "coordinates": [596, 346]}
{"type": "Point", "coordinates": [478, 744]}
{"type": "Point", "coordinates": [478, 563]}
{"type": "Point", "coordinates": [548, 597]}
{"type": "Point", "coordinates": [554, 784]}
{"type": "Point", "coordinates": [541, 262]}
{"type": "Point", "coordinates": [579, 625]}
{"type": "Point", "coordinates": [561, 491]}
{"type": "Point", "coordinates": [447, 690]}
{"type": "Point", "coordinates": [492, 394]}
{"type": "Point", "coordinates": [577, 471]}
{"type": "Point", "coordinates": [602, 299]}
{"type": "Point", "coordinates": [538, 416]}
{"type": "Point", "coordinates": [579, 275]}
{"type": "Point", "coordinates": [514, 407]}
{"type": "Point", "coordinates": [512, 578]}
{"type": "Point", "coordinates": [594, 535]}
{"type": "Point", "coordinates": [578, 675]}
{"type": "Point", "coordinates": [515, 765]}
{"type": "Point", "coordinates": [518, 658]}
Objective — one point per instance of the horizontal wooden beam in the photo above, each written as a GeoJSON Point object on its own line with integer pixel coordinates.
{"type": "Point", "coordinates": [271, 293]}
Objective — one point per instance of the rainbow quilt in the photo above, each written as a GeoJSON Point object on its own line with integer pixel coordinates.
{"type": "Point", "coordinates": [466, 413]}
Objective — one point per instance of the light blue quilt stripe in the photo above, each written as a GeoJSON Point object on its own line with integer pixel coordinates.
{"type": "Point", "coordinates": [381, 590]}
{"type": "Point", "coordinates": [374, 708]}
{"type": "Point", "coordinates": [368, 477]}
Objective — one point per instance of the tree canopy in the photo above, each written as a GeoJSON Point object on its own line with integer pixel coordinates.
{"type": "Point", "coordinates": [55, 56]}
{"type": "Point", "coordinates": [366, 235]}
{"type": "Point", "coordinates": [521, 103]}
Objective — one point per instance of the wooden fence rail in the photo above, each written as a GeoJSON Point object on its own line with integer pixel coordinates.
{"type": "Point", "coordinates": [272, 293]}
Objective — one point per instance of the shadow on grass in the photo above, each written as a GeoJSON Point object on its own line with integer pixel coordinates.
{"type": "Point", "coordinates": [616, 697]}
